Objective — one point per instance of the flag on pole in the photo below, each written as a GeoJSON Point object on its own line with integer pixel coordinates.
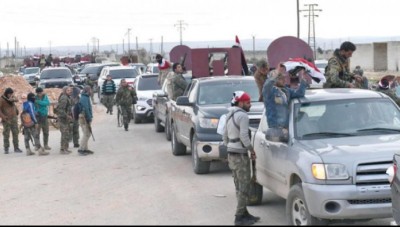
{"type": "Point", "coordinates": [309, 67]}
{"type": "Point", "coordinates": [245, 69]}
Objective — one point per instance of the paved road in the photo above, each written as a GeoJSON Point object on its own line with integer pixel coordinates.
{"type": "Point", "coordinates": [132, 179]}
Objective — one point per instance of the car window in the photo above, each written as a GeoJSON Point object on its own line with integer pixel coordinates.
{"type": "Point", "coordinates": [123, 73]}
{"type": "Point", "coordinates": [221, 93]}
{"type": "Point", "coordinates": [90, 70]}
{"type": "Point", "coordinates": [345, 117]}
{"type": "Point", "coordinates": [148, 83]}
{"type": "Point", "coordinates": [31, 70]}
{"type": "Point", "coordinates": [56, 74]}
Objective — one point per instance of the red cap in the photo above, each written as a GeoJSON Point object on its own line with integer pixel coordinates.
{"type": "Point", "coordinates": [241, 96]}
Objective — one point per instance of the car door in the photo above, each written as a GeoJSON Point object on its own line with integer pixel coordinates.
{"type": "Point", "coordinates": [271, 159]}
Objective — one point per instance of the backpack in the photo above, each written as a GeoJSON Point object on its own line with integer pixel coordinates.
{"type": "Point", "coordinates": [26, 119]}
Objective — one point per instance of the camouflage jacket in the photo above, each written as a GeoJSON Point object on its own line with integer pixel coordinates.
{"type": "Point", "coordinates": [337, 72]}
{"type": "Point", "coordinates": [179, 84]}
{"type": "Point", "coordinates": [64, 107]}
{"type": "Point", "coordinates": [125, 96]}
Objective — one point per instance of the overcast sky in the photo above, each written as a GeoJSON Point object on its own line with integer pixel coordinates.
{"type": "Point", "coordinates": [41, 23]}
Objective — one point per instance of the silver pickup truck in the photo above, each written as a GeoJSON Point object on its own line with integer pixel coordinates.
{"type": "Point", "coordinates": [341, 141]}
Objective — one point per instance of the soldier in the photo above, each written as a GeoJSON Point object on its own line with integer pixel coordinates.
{"type": "Point", "coordinates": [108, 90]}
{"type": "Point", "coordinates": [64, 114]}
{"type": "Point", "coordinates": [384, 87]}
{"type": "Point", "coordinates": [85, 120]}
{"type": "Point", "coordinates": [9, 116]}
{"type": "Point", "coordinates": [30, 131]}
{"type": "Point", "coordinates": [124, 98]}
{"type": "Point", "coordinates": [178, 82]}
{"type": "Point", "coordinates": [260, 76]}
{"type": "Point", "coordinates": [42, 104]}
{"type": "Point", "coordinates": [338, 73]}
{"type": "Point", "coordinates": [74, 125]}
{"type": "Point", "coordinates": [163, 65]}
{"type": "Point", "coordinates": [91, 85]}
{"type": "Point", "coordinates": [236, 138]}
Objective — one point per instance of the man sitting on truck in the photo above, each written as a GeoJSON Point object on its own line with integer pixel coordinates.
{"type": "Point", "coordinates": [276, 101]}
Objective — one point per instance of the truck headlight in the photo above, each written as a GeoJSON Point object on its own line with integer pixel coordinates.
{"type": "Point", "coordinates": [208, 122]}
{"type": "Point", "coordinates": [329, 171]}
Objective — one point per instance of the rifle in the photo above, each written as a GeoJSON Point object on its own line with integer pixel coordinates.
{"type": "Point", "coordinates": [183, 62]}
{"type": "Point", "coordinates": [51, 117]}
{"type": "Point", "coordinates": [89, 127]}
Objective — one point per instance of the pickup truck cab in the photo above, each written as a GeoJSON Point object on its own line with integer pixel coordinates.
{"type": "Point", "coordinates": [341, 141]}
{"type": "Point", "coordinates": [195, 116]}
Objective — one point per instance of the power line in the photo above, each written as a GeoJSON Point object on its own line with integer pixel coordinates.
{"type": "Point", "coordinates": [311, 25]}
{"type": "Point", "coordinates": [181, 27]}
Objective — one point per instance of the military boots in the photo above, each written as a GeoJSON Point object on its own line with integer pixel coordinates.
{"type": "Point", "coordinates": [43, 152]}
{"type": "Point", "coordinates": [29, 152]}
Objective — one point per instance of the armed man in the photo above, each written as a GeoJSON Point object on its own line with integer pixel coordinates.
{"type": "Point", "coordinates": [177, 82]}
{"type": "Point", "coordinates": [338, 73]}
{"type": "Point", "coordinates": [64, 113]}
{"type": "Point", "coordinates": [125, 97]}
{"type": "Point", "coordinates": [42, 104]}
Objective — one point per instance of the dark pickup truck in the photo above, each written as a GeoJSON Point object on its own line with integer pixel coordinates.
{"type": "Point", "coordinates": [195, 116]}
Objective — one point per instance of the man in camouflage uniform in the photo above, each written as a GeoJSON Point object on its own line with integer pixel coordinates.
{"type": "Point", "coordinates": [64, 114]}
{"type": "Point", "coordinates": [338, 73]}
{"type": "Point", "coordinates": [177, 82]}
{"type": "Point", "coordinates": [9, 116]}
{"type": "Point", "coordinates": [236, 138]}
{"type": "Point", "coordinates": [125, 97]}
{"type": "Point", "coordinates": [260, 76]}
{"type": "Point", "coordinates": [74, 125]}
{"type": "Point", "coordinates": [90, 83]}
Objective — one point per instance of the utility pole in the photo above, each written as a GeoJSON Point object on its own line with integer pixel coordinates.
{"type": "Point", "coordinates": [98, 45]}
{"type": "Point", "coordinates": [181, 26]}
{"type": "Point", "coordinates": [162, 46]}
{"type": "Point", "coordinates": [15, 46]}
{"type": "Point", "coordinates": [254, 46]}
{"type": "Point", "coordinates": [50, 47]}
{"type": "Point", "coordinates": [94, 41]}
{"type": "Point", "coordinates": [123, 46]}
{"type": "Point", "coordinates": [129, 39]}
{"type": "Point", "coordinates": [137, 47]}
{"type": "Point", "coordinates": [298, 20]}
{"type": "Point", "coordinates": [311, 25]}
{"type": "Point", "coordinates": [151, 48]}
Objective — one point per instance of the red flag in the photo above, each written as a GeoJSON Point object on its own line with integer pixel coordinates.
{"type": "Point", "coordinates": [245, 69]}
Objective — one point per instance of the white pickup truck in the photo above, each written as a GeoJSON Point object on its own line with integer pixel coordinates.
{"type": "Point", "coordinates": [341, 141]}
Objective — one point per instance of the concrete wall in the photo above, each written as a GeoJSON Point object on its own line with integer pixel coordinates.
{"type": "Point", "coordinates": [393, 56]}
{"type": "Point", "coordinates": [380, 56]}
{"type": "Point", "coordinates": [363, 56]}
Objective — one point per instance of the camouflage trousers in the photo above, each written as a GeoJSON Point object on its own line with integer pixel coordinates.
{"type": "Point", "coordinates": [108, 101]}
{"type": "Point", "coordinates": [30, 134]}
{"type": "Point", "coordinates": [13, 127]}
{"type": "Point", "coordinates": [65, 133]}
{"type": "Point", "coordinates": [74, 132]}
{"type": "Point", "coordinates": [126, 113]}
{"type": "Point", "coordinates": [241, 172]}
{"type": "Point", "coordinates": [43, 126]}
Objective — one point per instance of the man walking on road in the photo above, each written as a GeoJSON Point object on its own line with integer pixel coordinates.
{"type": "Point", "coordinates": [85, 120]}
{"type": "Point", "coordinates": [108, 90]}
{"type": "Point", "coordinates": [125, 97]}
{"type": "Point", "coordinates": [236, 138]}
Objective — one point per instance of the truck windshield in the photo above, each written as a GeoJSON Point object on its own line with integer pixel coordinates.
{"type": "Point", "coordinates": [342, 118]}
{"type": "Point", "coordinates": [222, 93]}
{"type": "Point", "coordinates": [123, 73]}
{"type": "Point", "coordinates": [148, 83]}
{"type": "Point", "coordinates": [54, 74]}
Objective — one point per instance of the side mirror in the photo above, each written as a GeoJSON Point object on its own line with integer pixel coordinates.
{"type": "Point", "coordinates": [183, 101]}
{"type": "Point", "coordinates": [160, 94]}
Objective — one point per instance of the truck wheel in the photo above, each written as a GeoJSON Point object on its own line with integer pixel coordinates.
{"type": "Point", "coordinates": [159, 127]}
{"type": "Point", "coordinates": [199, 166]}
{"type": "Point", "coordinates": [255, 193]}
{"type": "Point", "coordinates": [167, 128]}
{"type": "Point", "coordinates": [297, 211]}
{"type": "Point", "coordinates": [177, 148]}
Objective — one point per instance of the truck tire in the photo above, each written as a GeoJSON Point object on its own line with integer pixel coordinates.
{"type": "Point", "coordinates": [297, 210]}
{"type": "Point", "coordinates": [158, 126]}
{"type": "Point", "coordinates": [178, 149]}
{"type": "Point", "coordinates": [167, 128]}
{"type": "Point", "coordinates": [199, 166]}
{"type": "Point", "coordinates": [255, 193]}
